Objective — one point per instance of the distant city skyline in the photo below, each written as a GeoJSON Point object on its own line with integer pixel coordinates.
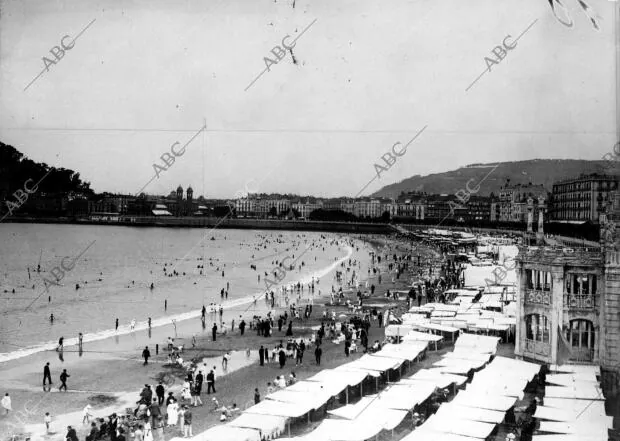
{"type": "Point", "coordinates": [364, 78]}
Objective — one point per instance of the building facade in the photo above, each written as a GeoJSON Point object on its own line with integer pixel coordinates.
{"type": "Point", "coordinates": [583, 198]}
{"type": "Point", "coordinates": [569, 304]}
{"type": "Point", "coordinates": [513, 199]}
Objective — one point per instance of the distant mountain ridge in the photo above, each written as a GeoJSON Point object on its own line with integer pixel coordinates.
{"type": "Point", "coordinates": [536, 171]}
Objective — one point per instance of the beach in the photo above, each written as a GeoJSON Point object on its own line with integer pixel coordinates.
{"type": "Point", "coordinates": [108, 369]}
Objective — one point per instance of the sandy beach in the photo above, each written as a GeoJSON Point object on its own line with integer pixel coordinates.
{"type": "Point", "coordinates": [108, 373]}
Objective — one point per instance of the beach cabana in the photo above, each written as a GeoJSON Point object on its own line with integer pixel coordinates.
{"type": "Point", "coordinates": [225, 433]}
{"type": "Point", "coordinates": [421, 434]}
{"type": "Point", "coordinates": [373, 365]}
{"type": "Point", "coordinates": [448, 424]}
{"type": "Point", "coordinates": [409, 352]}
{"type": "Point", "coordinates": [580, 437]}
{"type": "Point", "coordinates": [439, 379]}
{"type": "Point", "coordinates": [459, 366]}
{"type": "Point", "coordinates": [307, 400]}
{"type": "Point", "coordinates": [337, 380]}
{"type": "Point", "coordinates": [415, 336]}
{"type": "Point", "coordinates": [269, 426]}
{"type": "Point", "coordinates": [483, 401]}
{"type": "Point", "coordinates": [471, 413]}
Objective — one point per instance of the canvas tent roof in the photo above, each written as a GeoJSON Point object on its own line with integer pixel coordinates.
{"type": "Point", "coordinates": [472, 413]}
{"type": "Point", "coordinates": [447, 424]}
{"type": "Point", "coordinates": [500, 403]}
{"type": "Point", "coordinates": [227, 433]}
{"type": "Point", "coordinates": [269, 425]}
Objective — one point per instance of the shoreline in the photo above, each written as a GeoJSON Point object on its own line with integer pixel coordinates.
{"type": "Point", "coordinates": [82, 374]}
{"type": "Point", "coordinates": [221, 223]}
{"type": "Point", "coordinates": [160, 322]}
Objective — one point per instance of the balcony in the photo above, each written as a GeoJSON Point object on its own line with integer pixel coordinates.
{"type": "Point", "coordinates": [535, 348]}
{"type": "Point", "coordinates": [579, 301]}
{"type": "Point", "coordinates": [581, 355]}
{"type": "Point", "coordinates": [538, 297]}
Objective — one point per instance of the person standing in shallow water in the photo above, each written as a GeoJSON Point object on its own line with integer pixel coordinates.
{"type": "Point", "coordinates": [47, 375]}
{"type": "Point", "coordinates": [214, 331]}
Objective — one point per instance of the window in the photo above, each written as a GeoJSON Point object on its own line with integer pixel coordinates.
{"type": "Point", "coordinates": [537, 328]}
{"type": "Point", "coordinates": [538, 280]}
{"type": "Point", "coordinates": [581, 335]}
{"type": "Point", "coordinates": [581, 284]}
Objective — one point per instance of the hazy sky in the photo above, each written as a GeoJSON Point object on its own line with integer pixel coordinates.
{"type": "Point", "coordinates": [369, 74]}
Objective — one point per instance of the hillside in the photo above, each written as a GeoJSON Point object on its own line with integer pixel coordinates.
{"type": "Point", "coordinates": [536, 171]}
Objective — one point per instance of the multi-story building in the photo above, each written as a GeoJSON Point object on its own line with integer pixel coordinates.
{"type": "Point", "coordinates": [246, 206]}
{"type": "Point", "coordinates": [583, 198]}
{"type": "Point", "coordinates": [305, 207]}
{"type": "Point", "coordinates": [440, 206]}
{"type": "Point", "coordinates": [476, 208]}
{"type": "Point", "coordinates": [348, 206]}
{"type": "Point", "coordinates": [373, 208]}
{"type": "Point", "coordinates": [569, 304]}
{"type": "Point", "coordinates": [513, 201]}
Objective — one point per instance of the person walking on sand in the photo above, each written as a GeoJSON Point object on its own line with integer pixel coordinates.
{"type": "Point", "coordinates": [47, 374]}
{"type": "Point", "coordinates": [261, 355]}
{"type": "Point", "coordinates": [282, 358]}
{"type": "Point", "coordinates": [317, 355]}
{"type": "Point", "coordinates": [146, 354]}
{"type": "Point", "coordinates": [172, 410]}
{"type": "Point", "coordinates": [86, 414]}
{"type": "Point", "coordinates": [160, 391]}
{"type": "Point", "coordinates": [63, 380]}
{"type": "Point", "coordinates": [214, 331]}
{"type": "Point", "coordinates": [6, 403]}
{"type": "Point", "coordinates": [48, 423]}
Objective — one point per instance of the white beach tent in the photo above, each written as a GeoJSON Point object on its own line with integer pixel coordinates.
{"type": "Point", "coordinates": [372, 365]}
{"type": "Point", "coordinates": [269, 426]}
{"type": "Point", "coordinates": [421, 434]}
{"type": "Point", "coordinates": [447, 424]}
{"type": "Point", "coordinates": [225, 433]}
{"type": "Point", "coordinates": [471, 413]}
{"type": "Point", "coordinates": [570, 379]}
{"type": "Point", "coordinates": [335, 382]}
{"type": "Point", "coordinates": [499, 403]}
{"type": "Point", "coordinates": [405, 396]}
{"type": "Point", "coordinates": [458, 366]}
{"type": "Point", "coordinates": [333, 389]}
{"type": "Point", "coordinates": [440, 379]}
{"type": "Point", "coordinates": [409, 352]}
{"type": "Point", "coordinates": [580, 437]}
{"type": "Point", "coordinates": [306, 400]}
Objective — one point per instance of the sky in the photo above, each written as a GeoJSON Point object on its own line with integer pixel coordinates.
{"type": "Point", "coordinates": [368, 74]}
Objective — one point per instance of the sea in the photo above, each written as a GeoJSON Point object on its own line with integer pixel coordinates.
{"type": "Point", "coordinates": [87, 276]}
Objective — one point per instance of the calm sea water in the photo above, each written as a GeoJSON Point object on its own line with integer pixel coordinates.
{"type": "Point", "coordinates": [118, 265]}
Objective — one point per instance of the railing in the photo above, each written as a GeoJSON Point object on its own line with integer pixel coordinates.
{"type": "Point", "coordinates": [537, 348]}
{"type": "Point", "coordinates": [538, 297]}
{"type": "Point", "coordinates": [579, 301]}
{"type": "Point", "coordinates": [581, 355]}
